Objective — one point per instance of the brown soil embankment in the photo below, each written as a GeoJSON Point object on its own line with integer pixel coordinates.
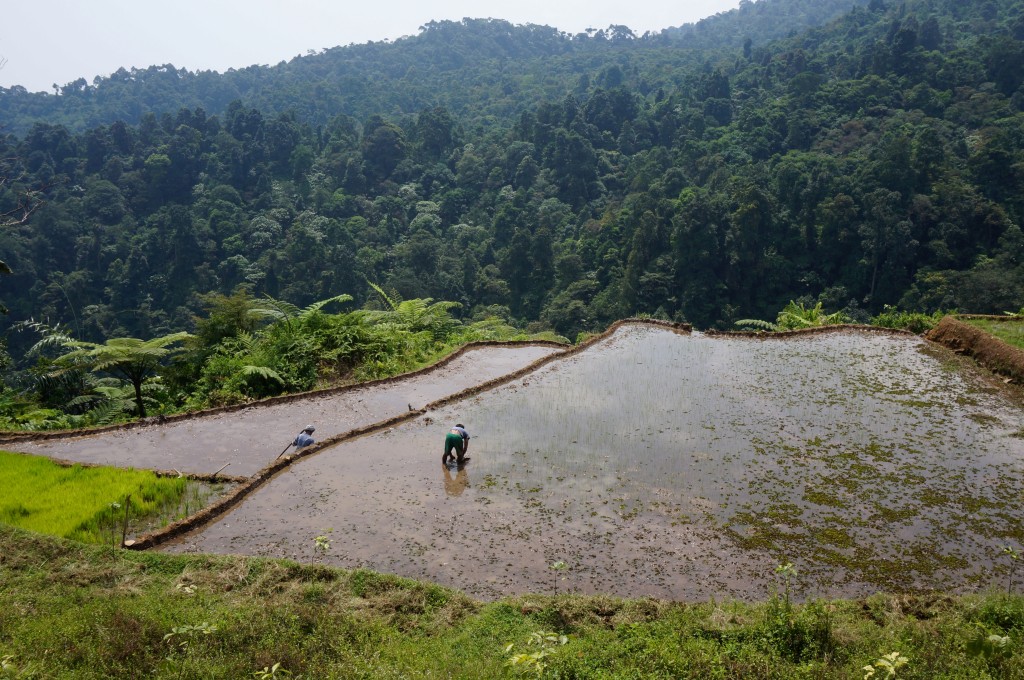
{"type": "Point", "coordinates": [989, 351]}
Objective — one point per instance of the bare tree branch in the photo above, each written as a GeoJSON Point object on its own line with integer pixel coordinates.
{"type": "Point", "coordinates": [27, 201]}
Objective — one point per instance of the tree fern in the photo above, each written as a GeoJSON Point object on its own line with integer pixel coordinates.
{"type": "Point", "coordinates": [263, 372]}
{"type": "Point", "coordinates": [316, 306]}
{"type": "Point", "coordinates": [758, 324]}
{"type": "Point", "coordinates": [795, 316]}
{"type": "Point", "coordinates": [51, 336]}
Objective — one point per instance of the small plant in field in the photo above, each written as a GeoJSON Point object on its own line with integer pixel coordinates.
{"type": "Point", "coordinates": [1012, 553]}
{"type": "Point", "coordinates": [887, 664]}
{"type": "Point", "coordinates": [915, 322]}
{"type": "Point", "coordinates": [112, 524]}
{"type": "Point", "coordinates": [794, 316]}
{"type": "Point", "coordinates": [994, 649]}
{"type": "Point", "coordinates": [545, 643]}
{"type": "Point", "coordinates": [321, 544]}
{"type": "Point", "coordinates": [272, 672]}
{"type": "Point", "coordinates": [787, 571]}
{"type": "Point", "coordinates": [182, 637]}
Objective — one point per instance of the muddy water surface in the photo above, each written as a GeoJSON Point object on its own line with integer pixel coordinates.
{"type": "Point", "coordinates": [678, 467]}
{"type": "Point", "coordinates": [247, 440]}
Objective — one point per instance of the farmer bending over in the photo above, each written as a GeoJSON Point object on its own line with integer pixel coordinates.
{"type": "Point", "coordinates": [456, 440]}
{"type": "Point", "coordinates": [304, 438]}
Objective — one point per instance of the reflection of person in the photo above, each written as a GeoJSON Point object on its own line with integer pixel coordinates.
{"type": "Point", "coordinates": [304, 438]}
{"type": "Point", "coordinates": [456, 440]}
{"type": "Point", "coordinates": [455, 487]}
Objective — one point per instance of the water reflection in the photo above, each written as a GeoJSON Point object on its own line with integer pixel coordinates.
{"type": "Point", "coordinates": [454, 486]}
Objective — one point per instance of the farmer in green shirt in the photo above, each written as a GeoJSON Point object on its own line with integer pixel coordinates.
{"type": "Point", "coordinates": [456, 440]}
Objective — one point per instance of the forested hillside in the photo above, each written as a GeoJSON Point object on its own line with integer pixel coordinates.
{"type": "Point", "coordinates": [706, 173]}
{"type": "Point", "coordinates": [476, 68]}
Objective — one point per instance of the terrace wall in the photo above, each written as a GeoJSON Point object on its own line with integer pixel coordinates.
{"type": "Point", "coordinates": [988, 350]}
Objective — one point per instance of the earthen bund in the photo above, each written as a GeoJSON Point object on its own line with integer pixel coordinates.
{"type": "Point", "coordinates": [989, 351]}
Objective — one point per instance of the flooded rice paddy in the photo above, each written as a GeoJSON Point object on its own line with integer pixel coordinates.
{"type": "Point", "coordinates": [248, 439]}
{"type": "Point", "coordinates": [677, 467]}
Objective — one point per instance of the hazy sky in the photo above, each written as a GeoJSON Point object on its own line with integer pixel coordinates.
{"type": "Point", "coordinates": [58, 41]}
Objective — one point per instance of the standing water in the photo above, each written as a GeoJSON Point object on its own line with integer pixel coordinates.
{"type": "Point", "coordinates": [675, 466]}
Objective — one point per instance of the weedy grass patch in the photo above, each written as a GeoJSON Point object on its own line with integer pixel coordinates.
{"type": "Point", "coordinates": [73, 610]}
{"type": "Point", "coordinates": [83, 503]}
{"type": "Point", "coordinates": [1010, 331]}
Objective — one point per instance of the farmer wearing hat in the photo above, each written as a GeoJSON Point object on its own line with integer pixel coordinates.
{"type": "Point", "coordinates": [456, 440]}
{"type": "Point", "coordinates": [304, 438]}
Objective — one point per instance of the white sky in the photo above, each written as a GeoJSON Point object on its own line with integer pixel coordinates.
{"type": "Point", "coordinates": [58, 41]}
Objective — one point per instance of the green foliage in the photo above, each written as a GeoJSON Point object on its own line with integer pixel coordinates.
{"type": "Point", "coordinates": [110, 614]}
{"type": "Point", "coordinates": [795, 316]}
{"type": "Point", "coordinates": [17, 412]}
{"type": "Point", "coordinates": [544, 644]}
{"type": "Point", "coordinates": [915, 322]}
{"type": "Point", "coordinates": [12, 669]}
{"type": "Point", "coordinates": [272, 672]}
{"type": "Point", "coordinates": [183, 639]}
{"type": "Point", "coordinates": [75, 502]}
{"type": "Point", "coordinates": [888, 665]}
{"type": "Point", "coordinates": [322, 544]}
{"type": "Point", "coordinates": [1014, 557]}
{"type": "Point", "coordinates": [990, 647]}
{"type": "Point", "coordinates": [1010, 331]}
{"type": "Point", "coordinates": [131, 359]}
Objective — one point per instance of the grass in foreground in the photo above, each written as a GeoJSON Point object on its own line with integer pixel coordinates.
{"type": "Point", "coordinates": [1010, 331]}
{"type": "Point", "coordinates": [69, 610]}
{"type": "Point", "coordinates": [82, 503]}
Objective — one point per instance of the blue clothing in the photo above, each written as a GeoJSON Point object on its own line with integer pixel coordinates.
{"type": "Point", "coordinates": [302, 440]}
{"type": "Point", "coordinates": [461, 432]}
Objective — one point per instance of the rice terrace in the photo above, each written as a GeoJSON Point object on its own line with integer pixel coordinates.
{"type": "Point", "coordinates": [654, 461]}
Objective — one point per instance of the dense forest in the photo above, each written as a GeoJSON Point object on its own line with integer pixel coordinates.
{"type": "Point", "coordinates": [856, 155]}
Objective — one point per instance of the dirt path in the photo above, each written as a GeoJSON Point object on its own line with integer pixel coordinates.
{"type": "Point", "coordinates": [248, 439]}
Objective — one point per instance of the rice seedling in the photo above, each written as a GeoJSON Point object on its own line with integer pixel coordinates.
{"type": "Point", "coordinates": [86, 504]}
{"type": "Point", "coordinates": [1014, 556]}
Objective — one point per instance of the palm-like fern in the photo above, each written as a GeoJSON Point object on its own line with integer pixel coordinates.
{"type": "Point", "coordinates": [109, 401]}
{"type": "Point", "coordinates": [16, 412]}
{"type": "Point", "coordinates": [130, 358]}
{"type": "Point", "coordinates": [264, 372]}
{"type": "Point", "coordinates": [795, 316]}
{"type": "Point", "coordinates": [280, 310]}
{"type": "Point", "coordinates": [415, 316]}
